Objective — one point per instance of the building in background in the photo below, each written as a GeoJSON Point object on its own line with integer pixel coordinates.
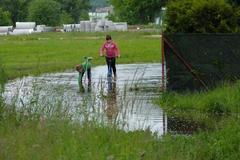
{"type": "Point", "coordinates": [100, 13]}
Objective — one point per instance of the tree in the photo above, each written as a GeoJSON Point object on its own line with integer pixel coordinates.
{"type": "Point", "coordinates": [45, 12]}
{"type": "Point", "coordinates": [98, 3]}
{"type": "Point", "coordinates": [16, 8]}
{"type": "Point", "coordinates": [135, 11]}
{"type": "Point", "coordinates": [66, 18]}
{"type": "Point", "coordinates": [5, 18]}
{"type": "Point", "coordinates": [77, 9]}
{"type": "Point", "coordinates": [235, 2]}
{"type": "Point", "coordinates": [201, 16]}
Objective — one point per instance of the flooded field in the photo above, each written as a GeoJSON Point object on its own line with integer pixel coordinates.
{"type": "Point", "coordinates": [126, 102]}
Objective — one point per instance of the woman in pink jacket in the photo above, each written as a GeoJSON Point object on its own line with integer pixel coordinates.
{"type": "Point", "coordinates": [110, 50]}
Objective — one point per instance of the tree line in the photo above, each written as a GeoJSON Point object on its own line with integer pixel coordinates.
{"type": "Point", "coordinates": [48, 12]}
{"type": "Point", "coordinates": [203, 16]}
{"type": "Point", "coordinates": [198, 16]}
{"type": "Point", "coordinates": [136, 11]}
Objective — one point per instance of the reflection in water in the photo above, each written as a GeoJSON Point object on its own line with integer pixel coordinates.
{"type": "Point", "coordinates": [127, 101]}
{"type": "Point", "coordinates": [111, 107]}
{"type": "Point", "coordinates": [82, 88]}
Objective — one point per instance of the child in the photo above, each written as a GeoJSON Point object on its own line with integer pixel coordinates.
{"type": "Point", "coordinates": [110, 50]}
{"type": "Point", "coordinates": [82, 68]}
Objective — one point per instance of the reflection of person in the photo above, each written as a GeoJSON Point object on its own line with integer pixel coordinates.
{"type": "Point", "coordinates": [110, 50]}
{"type": "Point", "coordinates": [82, 68]}
{"type": "Point", "coordinates": [111, 109]}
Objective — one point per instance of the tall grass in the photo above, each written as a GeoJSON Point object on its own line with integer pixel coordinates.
{"type": "Point", "coordinates": [57, 136]}
{"type": "Point", "coordinates": [41, 131]}
{"type": "Point", "coordinates": [3, 77]}
{"type": "Point", "coordinates": [222, 144]}
{"type": "Point", "coordinates": [219, 110]}
{"type": "Point", "coordinates": [220, 102]}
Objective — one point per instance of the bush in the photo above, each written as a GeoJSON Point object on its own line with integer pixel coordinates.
{"type": "Point", "coordinates": [201, 16]}
{"type": "Point", "coordinates": [46, 12]}
{"type": "Point", "coordinates": [217, 108]}
{"type": "Point", "coordinates": [66, 18]}
{"type": "Point", "coordinates": [5, 18]}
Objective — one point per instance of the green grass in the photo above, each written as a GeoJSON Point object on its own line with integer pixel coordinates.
{"type": "Point", "coordinates": [222, 144]}
{"type": "Point", "coordinates": [50, 52]}
{"type": "Point", "coordinates": [218, 110]}
{"type": "Point", "coordinates": [220, 102]}
{"type": "Point", "coordinates": [28, 137]}
{"type": "Point", "coordinates": [66, 140]}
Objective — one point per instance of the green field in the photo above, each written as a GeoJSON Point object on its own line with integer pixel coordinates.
{"type": "Point", "coordinates": [50, 52]}
{"type": "Point", "coordinates": [30, 136]}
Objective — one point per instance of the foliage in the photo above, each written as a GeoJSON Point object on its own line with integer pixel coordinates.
{"type": "Point", "coordinates": [135, 11]}
{"type": "Point", "coordinates": [222, 101]}
{"type": "Point", "coordinates": [220, 109]}
{"type": "Point", "coordinates": [98, 4]}
{"type": "Point", "coordinates": [201, 16]}
{"type": "Point", "coordinates": [45, 12]}
{"type": "Point", "coordinates": [77, 9]}
{"type": "Point", "coordinates": [5, 18]}
{"type": "Point", "coordinates": [16, 8]}
{"type": "Point", "coordinates": [235, 2]}
{"type": "Point", "coordinates": [71, 10]}
{"type": "Point", "coordinates": [221, 144]}
{"type": "Point", "coordinates": [66, 18]}
{"type": "Point", "coordinates": [3, 78]}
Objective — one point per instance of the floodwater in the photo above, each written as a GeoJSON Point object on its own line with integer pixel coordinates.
{"type": "Point", "coordinates": [126, 101]}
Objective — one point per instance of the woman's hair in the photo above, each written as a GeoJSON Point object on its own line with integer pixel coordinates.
{"type": "Point", "coordinates": [108, 37]}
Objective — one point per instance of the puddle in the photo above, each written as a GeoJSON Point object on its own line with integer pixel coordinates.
{"type": "Point", "coordinates": [183, 126]}
{"type": "Point", "coordinates": [126, 102]}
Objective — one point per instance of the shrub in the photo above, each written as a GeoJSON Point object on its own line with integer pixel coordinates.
{"type": "Point", "coordinates": [46, 12]}
{"type": "Point", "coordinates": [5, 18]}
{"type": "Point", "coordinates": [201, 16]}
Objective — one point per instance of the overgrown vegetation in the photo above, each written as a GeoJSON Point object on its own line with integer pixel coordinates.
{"type": "Point", "coordinates": [136, 12]}
{"type": "Point", "coordinates": [36, 136]}
{"type": "Point", "coordinates": [3, 78]}
{"type": "Point", "coordinates": [202, 16]}
{"type": "Point", "coordinates": [45, 12]}
{"type": "Point", "coordinates": [25, 134]}
{"type": "Point", "coordinates": [42, 12]}
{"type": "Point", "coordinates": [218, 110]}
{"type": "Point", "coordinates": [4, 17]}
{"type": "Point", "coordinates": [222, 101]}
{"type": "Point", "coordinates": [98, 4]}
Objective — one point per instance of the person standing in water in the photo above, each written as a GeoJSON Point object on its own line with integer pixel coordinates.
{"type": "Point", "coordinates": [82, 68]}
{"type": "Point", "coordinates": [110, 50]}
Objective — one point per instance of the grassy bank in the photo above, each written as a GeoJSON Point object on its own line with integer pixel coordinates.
{"type": "Point", "coordinates": [62, 139]}
{"type": "Point", "coordinates": [49, 52]}
{"type": "Point", "coordinates": [220, 102]}
{"type": "Point", "coordinates": [217, 110]}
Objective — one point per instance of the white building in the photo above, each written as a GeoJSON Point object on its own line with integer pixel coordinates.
{"type": "Point", "coordinates": [100, 13]}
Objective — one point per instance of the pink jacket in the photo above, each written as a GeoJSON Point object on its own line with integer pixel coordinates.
{"type": "Point", "coordinates": [110, 48]}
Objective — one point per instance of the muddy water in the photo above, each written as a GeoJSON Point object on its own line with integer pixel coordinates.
{"type": "Point", "coordinates": [126, 101]}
